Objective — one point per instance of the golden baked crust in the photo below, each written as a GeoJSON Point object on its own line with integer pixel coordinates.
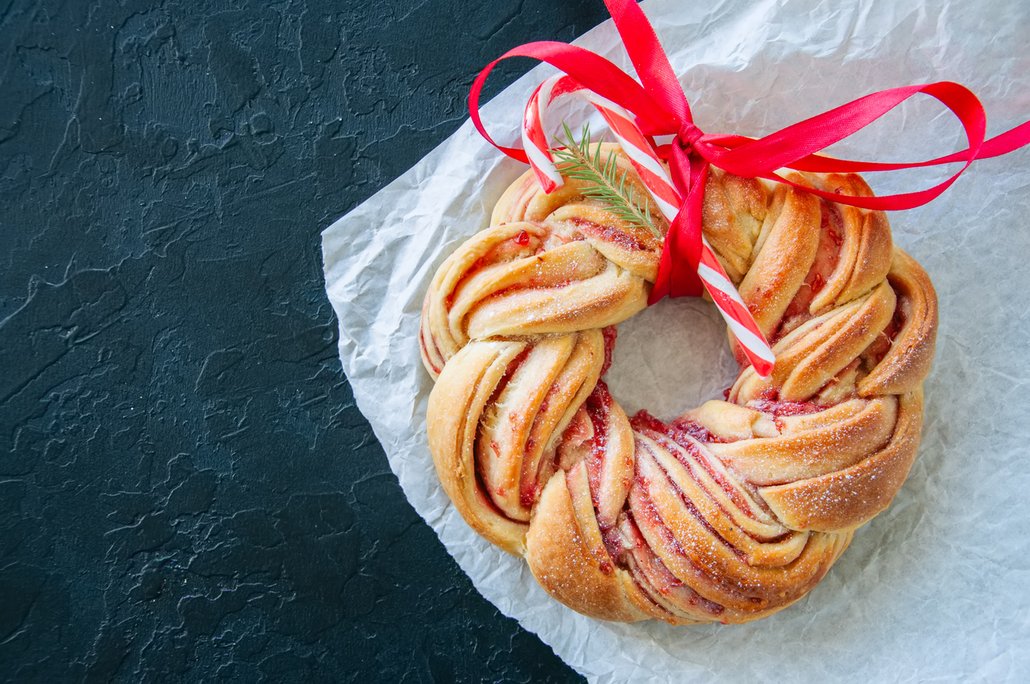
{"type": "Point", "coordinates": [739, 507]}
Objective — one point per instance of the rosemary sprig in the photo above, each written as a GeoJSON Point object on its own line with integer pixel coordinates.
{"type": "Point", "coordinates": [603, 180]}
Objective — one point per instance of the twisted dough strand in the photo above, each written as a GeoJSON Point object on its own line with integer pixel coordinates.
{"type": "Point", "coordinates": [737, 508]}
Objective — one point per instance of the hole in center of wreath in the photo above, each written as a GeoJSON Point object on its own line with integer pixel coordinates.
{"type": "Point", "coordinates": [670, 358]}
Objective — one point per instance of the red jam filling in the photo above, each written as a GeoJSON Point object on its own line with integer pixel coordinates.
{"type": "Point", "coordinates": [655, 577]}
{"type": "Point", "coordinates": [826, 258]}
{"type": "Point", "coordinates": [610, 334]}
{"type": "Point", "coordinates": [608, 234]}
{"type": "Point", "coordinates": [769, 402]}
{"type": "Point", "coordinates": [885, 340]}
{"type": "Point", "coordinates": [510, 371]}
{"type": "Point", "coordinates": [598, 406]}
{"type": "Point", "coordinates": [425, 351]}
{"type": "Point", "coordinates": [677, 430]}
{"type": "Point", "coordinates": [696, 458]}
{"type": "Point", "coordinates": [614, 543]}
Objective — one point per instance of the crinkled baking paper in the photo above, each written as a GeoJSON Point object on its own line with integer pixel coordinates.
{"type": "Point", "coordinates": [935, 589]}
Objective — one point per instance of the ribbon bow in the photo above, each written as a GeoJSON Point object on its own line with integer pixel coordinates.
{"type": "Point", "coordinates": [637, 112]}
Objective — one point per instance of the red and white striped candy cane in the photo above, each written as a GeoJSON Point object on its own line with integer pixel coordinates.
{"type": "Point", "coordinates": [659, 184]}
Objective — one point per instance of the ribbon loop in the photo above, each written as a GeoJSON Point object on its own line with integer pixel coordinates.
{"type": "Point", "coordinates": [656, 105]}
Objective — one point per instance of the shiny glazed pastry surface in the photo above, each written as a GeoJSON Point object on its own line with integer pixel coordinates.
{"type": "Point", "coordinates": [737, 508]}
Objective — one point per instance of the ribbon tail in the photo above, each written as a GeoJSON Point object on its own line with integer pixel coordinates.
{"type": "Point", "coordinates": [677, 268]}
{"type": "Point", "coordinates": [662, 284]}
{"type": "Point", "coordinates": [688, 284]}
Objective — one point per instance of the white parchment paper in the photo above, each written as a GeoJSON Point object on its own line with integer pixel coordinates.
{"type": "Point", "coordinates": [936, 588]}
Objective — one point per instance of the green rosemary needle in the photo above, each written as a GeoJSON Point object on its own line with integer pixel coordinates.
{"type": "Point", "coordinates": [603, 180]}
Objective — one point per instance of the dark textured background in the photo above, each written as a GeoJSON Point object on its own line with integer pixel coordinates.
{"type": "Point", "coordinates": [186, 488]}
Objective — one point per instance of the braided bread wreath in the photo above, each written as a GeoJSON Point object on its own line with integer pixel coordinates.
{"type": "Point", "coordinates": [737, 508]}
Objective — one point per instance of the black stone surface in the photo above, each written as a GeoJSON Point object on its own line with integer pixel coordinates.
{"type": "Point", "coordinates": [187, 491]}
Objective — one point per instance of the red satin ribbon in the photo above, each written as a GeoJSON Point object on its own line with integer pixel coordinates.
{"type": "Point", "coordinates": [661, 108]}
